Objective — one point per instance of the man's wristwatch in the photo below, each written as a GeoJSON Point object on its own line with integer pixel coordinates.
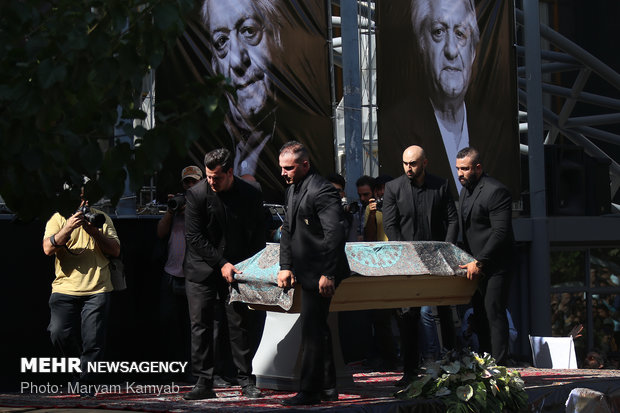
{"type": "Point", "coordinates": [330, 277]}
{"type": "Point", "coordinates": [479, 264]}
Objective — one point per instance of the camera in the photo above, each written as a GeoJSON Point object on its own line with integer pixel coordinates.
{"type": "Point", "coordinates": [96, 219]}
{"type": "Point", "coordinates": [350, 207]}
{"type": "Point", "coordinates": [176, 203]}
{"type": "Point", "coordinates": [379, 203]}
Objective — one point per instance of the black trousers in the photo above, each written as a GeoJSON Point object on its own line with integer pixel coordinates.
{"type": "Point", "coordinates": [408, 320]}
{"type": "Point", "coordinates": [202, 299]}
{"type": "Point", "coordinates": [383, 339]}
{"type": "Point", "coordinates": [489, 319]}
{"type": "Point", "coordinates": [77, 327]}
{"type": "Point", "coordinates": [222, 354]}
{"type": "Point", "coordinates": [318, 371]}
{"type": "Point", "coordinates": [446, 321]}
{"type": "Point", "coordinates": [174, 318]}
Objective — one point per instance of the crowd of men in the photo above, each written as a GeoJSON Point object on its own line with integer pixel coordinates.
{"type": "Point", "coordinates": [222, 223]}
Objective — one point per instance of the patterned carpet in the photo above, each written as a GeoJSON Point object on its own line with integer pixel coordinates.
{"type": "Point", "coordinates": [548, 390]}
{"type": "Point", "coordinates": [371, 392]}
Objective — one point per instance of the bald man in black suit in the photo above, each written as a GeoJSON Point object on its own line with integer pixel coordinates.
{"type": "Point", "coordinates": [417, 206]}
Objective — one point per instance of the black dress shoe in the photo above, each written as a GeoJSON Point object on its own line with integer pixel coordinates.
{"type": "Point", "coordinates": [200, 392]}
{"type": "Point", "coordinates": [302, 399]}
{"type": "Point", "coordinates": [251, 391]}
{"type": "Point", "coordinates": [329, 395]}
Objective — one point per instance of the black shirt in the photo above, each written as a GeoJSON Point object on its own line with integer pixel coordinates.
{"type": "Point", "coordinates": [467, 200]}
{"type": "Point", "coordinates": [421, 229]}
{"type": "Point", "coordinates": [237, 229]}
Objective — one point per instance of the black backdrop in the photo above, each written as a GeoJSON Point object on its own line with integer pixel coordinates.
{"type": "Point", "coordinates": [27, 274]}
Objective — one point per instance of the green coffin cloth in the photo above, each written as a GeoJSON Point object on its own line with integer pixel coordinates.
{"type": "Point", "coordinates": [259, 282]}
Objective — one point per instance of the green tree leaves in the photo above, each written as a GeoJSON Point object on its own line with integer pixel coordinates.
{"type": "Point", "coordinates": [67, 69]}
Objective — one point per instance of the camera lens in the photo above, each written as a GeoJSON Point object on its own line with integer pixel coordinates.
{"type": "Point", "coordinates": [175, 203]}
{"type": "Point", "coordinates": [97, 220]}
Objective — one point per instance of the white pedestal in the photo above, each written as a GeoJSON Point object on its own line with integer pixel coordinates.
{"type": "Point", "coordinates": [277, 362]}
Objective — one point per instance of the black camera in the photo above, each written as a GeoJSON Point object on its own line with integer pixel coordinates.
{"type": "Point", "coordinates": [96, 219]}
{"type": "Point", "coordinates": [350, 207]}
{"type": "Point", "coordinates": [176, 203]}
{"type": "Point", "coordinates": [379, 203]}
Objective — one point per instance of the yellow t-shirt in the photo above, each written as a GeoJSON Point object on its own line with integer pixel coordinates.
{"type": "Point", "coordinates": [379, 216]}
{"type": "Point", "coordinates": [86, 273]}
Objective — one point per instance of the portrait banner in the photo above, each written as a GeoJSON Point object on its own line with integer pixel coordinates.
{"type": "Point", "coordinates": [446, 79]}
{"type": "Point", "coordinates": [275, 55]}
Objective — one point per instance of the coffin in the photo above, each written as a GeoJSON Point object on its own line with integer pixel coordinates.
{"type": "Point", "coordinates": [383, 275]}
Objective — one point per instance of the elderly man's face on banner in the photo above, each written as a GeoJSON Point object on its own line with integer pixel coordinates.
{"type": "Point", "coordinates": [242, 48]}
{"type": "Point", "coordinates": [447, 45]}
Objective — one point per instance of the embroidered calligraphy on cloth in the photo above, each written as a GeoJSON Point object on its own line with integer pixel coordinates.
{"type": "Point", "coordinates": [259, 282]}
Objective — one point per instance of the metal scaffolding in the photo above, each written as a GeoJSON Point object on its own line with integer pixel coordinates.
{"type": "Point", "coordinates": [357, 23]}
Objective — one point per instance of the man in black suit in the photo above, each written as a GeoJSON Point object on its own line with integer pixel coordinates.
{"type": "Point", "coordinates": [417, 206]}
{"type": "Point", "coordinates": [224, 224]}
{"type": "Point", "coordinates": [312, 254]}
{"type": "Point", "coordinates": [485, 214]}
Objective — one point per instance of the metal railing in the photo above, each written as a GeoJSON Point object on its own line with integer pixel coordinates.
{"type": "Point", "coordinates": [562, 56]}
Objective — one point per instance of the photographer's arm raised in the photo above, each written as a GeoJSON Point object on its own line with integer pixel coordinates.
{"type": "Point", "coordinates": [370, 226]}
{"type": "Point", "coordinates": [164, 226]}
{"type": "Point", "coordinates": [109, 246]}
{"type": "Point", "coordinates": [63, 235]}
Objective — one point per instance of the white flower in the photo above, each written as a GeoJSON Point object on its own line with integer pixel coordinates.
{"type": "Point", "coordinates": [465, 392]}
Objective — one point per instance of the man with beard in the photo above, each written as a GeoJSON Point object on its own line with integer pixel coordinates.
{"type": "Point", "coordinates": [417, 206]}
{"type": "Point", "coordinates": [312, 255]}
{"type": "Point", "coordinates": [485, 213]}
{"type": "Point", "coordinates": [224, 225]}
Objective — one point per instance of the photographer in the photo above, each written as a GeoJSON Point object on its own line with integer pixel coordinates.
{"type": "Point", "coordinates": [365, 191]}
{"type": "Point", "coordinates": [373, 217]}
{"type": "Point", "coordinates": [81, 290]}
{"type": "Point", "coordinates": [173, 313]}
{"type": "Point", "coordinates": [351, 209]}
{"type": "Point", "coordinates": [383, 355]}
